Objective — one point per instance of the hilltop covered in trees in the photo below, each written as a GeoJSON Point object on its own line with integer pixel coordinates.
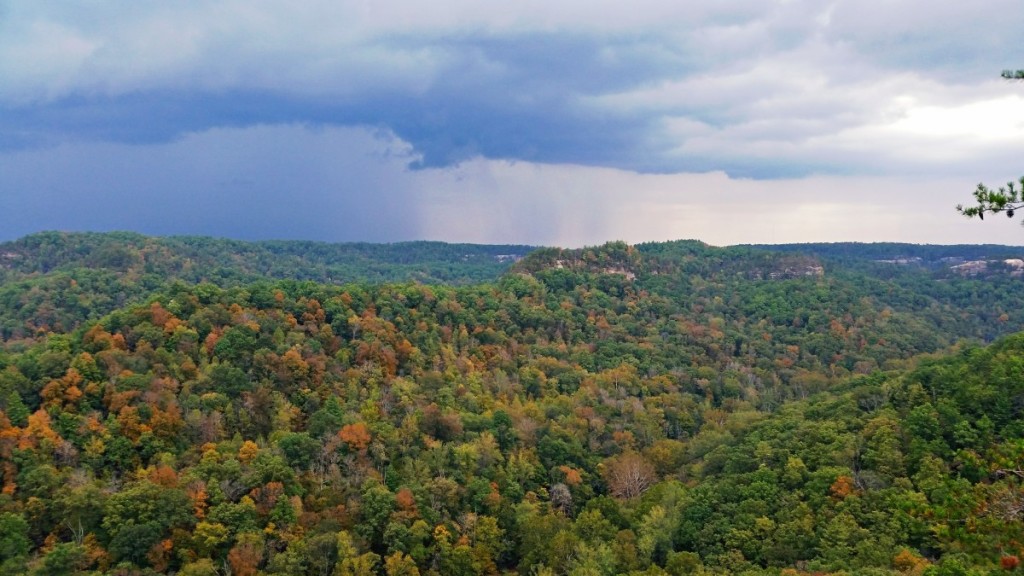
{"type": "Point", "coordinates": [667, 408]}
{"type": "Point", "coordinates": [56, 280]}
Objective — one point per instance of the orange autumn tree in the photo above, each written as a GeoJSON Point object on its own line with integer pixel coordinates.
{"type": "Point", "coordinates": [356, 436]}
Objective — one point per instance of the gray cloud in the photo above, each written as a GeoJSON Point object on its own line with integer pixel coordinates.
{"type": "Point", "coordinates": [251, 183]}
{"type": "Point", "coordinates": [741, 86]}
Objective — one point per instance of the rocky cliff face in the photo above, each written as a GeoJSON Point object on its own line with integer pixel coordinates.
{"type": "Point", "coordinates": [1013, 267]}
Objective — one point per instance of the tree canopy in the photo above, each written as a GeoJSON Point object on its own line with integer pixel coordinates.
{"type": "Point", "coordinates": [662, 409]}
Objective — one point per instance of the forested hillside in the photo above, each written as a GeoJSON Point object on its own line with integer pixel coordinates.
{"type": "Point", "coordinates": [669, 408]}
{"type": "Point", "coordinates": [55, 281]}
{"type": "Point", "coordinates": [927, 255]}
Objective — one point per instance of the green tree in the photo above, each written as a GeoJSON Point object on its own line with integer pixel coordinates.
{"type": "Point", "coordinates": [1006, 199]}
{"type": "Point", "coordinates": [141, 515]}
{"type": "Point", "coordinates": [65, 558]}
{"type": "Point", "coordinates": [14, 540]}
{"type": "Point", "coordinates": [299, 448]}
{"type": "Point", "coordinates": [378, 504]}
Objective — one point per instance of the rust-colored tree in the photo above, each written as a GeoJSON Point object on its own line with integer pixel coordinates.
{"type": "Point", "coordinates": [246, 556]}
{"type": "Point", "coordinates": [356, 436]}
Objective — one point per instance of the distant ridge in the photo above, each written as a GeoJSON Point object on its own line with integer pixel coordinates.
{"type": "Point", "coordinates": [56, 281]}
{"type": "Point", "coordinates": [198, 258]}
{"type": "Point", "coordinates": [895, 250]}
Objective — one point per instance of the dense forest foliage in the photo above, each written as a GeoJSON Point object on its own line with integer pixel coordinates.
{"type": "Point", "coordinates": [55, 281]}
{"type": "Point", "coordinates": [668, 408]}
{"type": "Point", "coordinates": [927, 255]}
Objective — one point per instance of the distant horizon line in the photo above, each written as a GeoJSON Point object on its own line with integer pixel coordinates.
{"type": "Point", "coordinates": [9, 240]}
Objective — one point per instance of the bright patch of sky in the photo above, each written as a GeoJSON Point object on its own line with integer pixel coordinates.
{"type": "Point", "coordinates": [531, 122]}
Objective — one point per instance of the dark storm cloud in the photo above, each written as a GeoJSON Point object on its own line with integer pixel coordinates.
{"type": "Point", "coordinates": [251, 183]}
{"type": "Point", "coordinates": [509, 97]}
{"type": "Point", "coordinates": [593, 84]}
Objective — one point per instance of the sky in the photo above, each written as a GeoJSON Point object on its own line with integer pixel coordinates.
{"type": "Point", "coordinates": [564, 123]}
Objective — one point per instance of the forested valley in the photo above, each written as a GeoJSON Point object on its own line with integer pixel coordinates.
{"type": "Point", "coordinates": [199, 406]}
